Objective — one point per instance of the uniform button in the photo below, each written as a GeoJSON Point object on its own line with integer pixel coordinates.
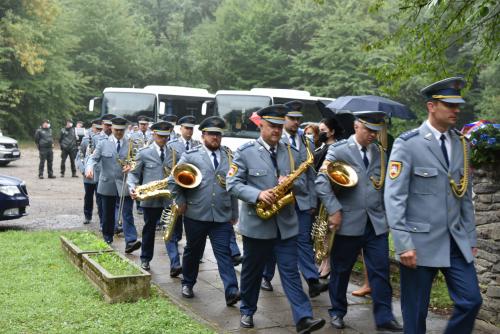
{"type": "Point", "coordinates": [415, 229]}
{"type": "Point", "coordinates": [257, 174]}
{"type": "Point", "coordinates": [213, 194]}
{"type": "Point", "coordinates": [425, 174]}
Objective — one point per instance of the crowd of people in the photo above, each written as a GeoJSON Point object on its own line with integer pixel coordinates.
{"type": "Point", "coordinates": [418, 192]}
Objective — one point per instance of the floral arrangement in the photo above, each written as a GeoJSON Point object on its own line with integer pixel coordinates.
{"type": "Point", "coordinates": [484, 139]}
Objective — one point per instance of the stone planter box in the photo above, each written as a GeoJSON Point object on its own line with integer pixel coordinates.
{"type": "Point", "coordinates": [74, 253]}
{"type": "Point", "coordinates": [117, 289]}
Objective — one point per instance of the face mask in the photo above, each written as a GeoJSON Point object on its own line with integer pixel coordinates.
{"type": "Point", "coordinates": [311, 137]}
{"type": "Point", "coordinates": [323, 137]}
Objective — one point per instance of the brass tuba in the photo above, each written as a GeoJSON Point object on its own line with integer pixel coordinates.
{"type": "Point", "coordinates": [187, 175]}
{"type": "Point", "coordinates": [341, 175]}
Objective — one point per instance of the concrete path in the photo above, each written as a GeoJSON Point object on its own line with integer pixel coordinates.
{"type": "Point", "coordinates": [273, 314]}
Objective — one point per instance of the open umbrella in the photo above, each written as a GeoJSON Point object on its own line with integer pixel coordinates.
{"type": "Point", "coordinates": [372, 103]}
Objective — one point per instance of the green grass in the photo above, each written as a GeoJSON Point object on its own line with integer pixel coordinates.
{"type": "Point", "coordinates": [87, 241]}
{"type": "Point", "coordinates": [114, 264]}
{"type": "Point", "coordinates": [41, 292]}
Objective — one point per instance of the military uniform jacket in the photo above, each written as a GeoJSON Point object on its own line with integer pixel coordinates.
{"type": "Point", "coordinates": [140, 139]}
{"type": "Point", "coordinates": [96, 139]}
{"type": "Point", "coordinates": [304, 196]}
{"type": "Point", "coordinates": [43, 138]}
{"type": "Point", "coordinates": [209, 201]}
{"type": "Point", "coordinates": [178, 145]}
{"type": "Point", "coordinates": [252, 172]}
{"type": "Point", "coordinates": [81, 158]}
{"type": "Point", "coordinates": [422, 210]}
{"type": "Point", "coordinates": [357, 203]}
{"type": "Point", "coordinates": [111, 177]}
{"type": "Point", "coordinates": [151, 168]}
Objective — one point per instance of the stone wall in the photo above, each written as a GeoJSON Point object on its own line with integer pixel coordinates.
{"type": "Point", "coordinates": [486, 185]}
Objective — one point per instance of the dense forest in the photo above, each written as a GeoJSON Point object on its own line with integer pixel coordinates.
{"type": "Point", "coordinates": [56, 54]}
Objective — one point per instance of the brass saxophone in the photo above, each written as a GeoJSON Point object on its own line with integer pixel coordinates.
{"type": "Point", "coordinates": [154, 189]}
{"type": "Point", "coordinates": [283, 192]}
{"type": "Point", "coordinates": [169, 218]}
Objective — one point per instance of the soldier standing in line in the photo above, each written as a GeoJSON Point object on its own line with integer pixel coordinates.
{"type": "Point", "coordinates": [45, 145]}
{"type": "Point", "coordinates": [90, 185]}
{"type": "Point", "coordinates": [257, 168]}
{"type": "Point", "coordinates": [431, 217]}
{"type": "Point", "coordinates": [208, 209]}
{"type": "Point", "coordinates": [67, 141]}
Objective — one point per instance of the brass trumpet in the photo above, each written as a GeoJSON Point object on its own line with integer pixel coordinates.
{"type": "Point", "coordinates": [187, 175]}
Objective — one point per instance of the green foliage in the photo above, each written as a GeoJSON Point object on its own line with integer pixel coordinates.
{"type": "Point", "coordinates": [485, 146]}
{"type": "Point", "coordinates": [87, 241]}
{"type": "Point", "coordinates": [43, 293]}
{"type": "Point", "coordinates": [114, 264]}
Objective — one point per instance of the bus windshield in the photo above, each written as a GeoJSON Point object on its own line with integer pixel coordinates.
{"type": "Point", "coordinates": [236, 111]}
{"type": "Point", "coordinates": [185, 105]}
{"type": "Point", "coordinates": [129, 105]}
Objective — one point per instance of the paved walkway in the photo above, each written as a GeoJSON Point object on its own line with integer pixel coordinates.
{"type": "Point", "coordinates": [273, 314]}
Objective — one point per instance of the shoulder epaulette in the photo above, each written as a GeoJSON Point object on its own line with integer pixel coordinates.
{"type": "Point", "coordinates": [142, 148]}
{"type": "Point", "coordinates": [246, 145]}
{"type": "Point", "coordinates": [340, 142]}
{"type": "Point", "coordinates": [173, 140]}
{"type": "Point", "coordinates": [226, 149]}
{"type": "Point", "coordinates": [409, 134]}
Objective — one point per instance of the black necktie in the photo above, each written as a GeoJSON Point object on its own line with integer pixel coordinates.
{"type": "Point", "coordinates": [187, 146]}
{"type": "Point", "coordinates": [144, 133]}
{"type": "Point", "coordinates": [445, 151]}
{"type": "Point", "coordinates": [216, 163]}
{"type": "Point", "coordinates": [273, 158]}
{"type": "Point", "coordinates": [162, 154]}
{"type": "Point", "coordinates": [365, 158]}
{"type": "Point", "coordinates": [294, 143]}
{"type": "Point", "coordinates": [118, 147]}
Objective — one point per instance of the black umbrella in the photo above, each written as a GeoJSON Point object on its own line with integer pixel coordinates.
{"type": "Point", "coordinates": [371, 103]}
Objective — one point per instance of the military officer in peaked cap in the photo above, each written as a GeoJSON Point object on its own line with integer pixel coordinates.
{"type": "Point", "coordinates": [179, 145]}
{"type": "Point", "coordinates": [90, 185]}
{"type": "Point", "coordinates": [259, 166]}
{"type": "Point", "coordinates": [428, 197]}
{"type": "Point", "coordinates": [153, 163]}
{"type": "Point", "coordinates": [209, 210]}
{"type": "Point", "coordinates": [357, 214]}
{"type": "Point", "coordinates": [110, 183]}
{"type": "Point", "coordinates": [144, 136]}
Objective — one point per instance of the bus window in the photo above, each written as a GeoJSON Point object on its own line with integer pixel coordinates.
{"type": "Point", "coordinates": [129, 105]}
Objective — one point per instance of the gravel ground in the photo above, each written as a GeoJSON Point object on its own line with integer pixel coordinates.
{"type": "Point", "coordinates": [54, 203]}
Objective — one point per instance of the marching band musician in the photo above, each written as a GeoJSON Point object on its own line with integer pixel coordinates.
{"type": "Point", "coordinates": [357, 214]}
{"type": "Point", "coordinates": [90, 185]}
{"type": "Point", "coordinates": [152, 163]}
{"type": "Point", "coordinates": [431, 218]}
{"type": "Point", "coordinates": [180, 144]}
{"type": "Point", "coordinates": [144, 136]}
{"type": "Point", "coordinates": [110, 183]}
{"type": "Point", "coordinates": [257, 167]}
{"type": "Point", "coordinates": [208, 210]}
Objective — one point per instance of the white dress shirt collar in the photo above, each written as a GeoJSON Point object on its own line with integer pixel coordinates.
{"type": "Point", "coordinates": [435, 132]}
{"type": "Point", "coordinates": [209, 152]}
{"type": "Point", "coordinates": [360, 149]}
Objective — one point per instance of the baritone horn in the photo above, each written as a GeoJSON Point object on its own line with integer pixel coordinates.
{"type": "Point", "coordinates": [342, 175]}
{"type": "Point", "coordinates": [187, 175]}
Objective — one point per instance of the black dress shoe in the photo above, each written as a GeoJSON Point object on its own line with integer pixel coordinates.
{"type": "Point", "coordinates": [145, 265]}
{"type": "Point", "coordinates": [86, 221]}
{"type": "Point", "coordinates": [236, 260]}
{"type": "Point", "coordinates": [307, 325]}
{"type": "Point", "coordinates": [52, 177]}
{"type": "Point", "coordinates": [174, 272]}
{"type": "Point", "coordinates": [337, 322]}
{"type": "Point", "coordinates": [40, 177]}
{"type": "Point", "coordinates": [62, 175]}
{"type": "Point", "coordinates": [315, 288]}
{"type": "Point", "coordinates": [74, 175]}
{"type": "Point", "coordinates": [246, 321]}
{"type": "Point", "coordinates": [132, 246]}
{"type": "Point", "coordinates": [233, 299]}
{"type": "Point", "coordinates": [391, 326]}
{"type": "Point", "coordinates": [266, 285]}
{"type": "Point", "coordinates": [187, 291]}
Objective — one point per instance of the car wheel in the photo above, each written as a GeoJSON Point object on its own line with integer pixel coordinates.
{"type": "Point", "coordinates": [4, 163]}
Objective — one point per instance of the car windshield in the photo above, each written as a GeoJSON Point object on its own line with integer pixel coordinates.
{"type": "Point", "coordinates": [129, 105]}
{"type": "Point", "coordinates": [236, 111]}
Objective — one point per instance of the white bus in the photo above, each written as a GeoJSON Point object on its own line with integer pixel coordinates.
{"type": "Point", "coordinates": [153, 102]}
{"type": "Point", "coordinates": [236, 107]}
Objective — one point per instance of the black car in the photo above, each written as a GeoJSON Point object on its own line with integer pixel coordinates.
{"type": "Point", "coordinates": [13, 198]}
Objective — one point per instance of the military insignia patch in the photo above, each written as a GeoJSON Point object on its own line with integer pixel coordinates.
{"type": "Point", "coordinates": [395, 169]}
{"type": "Point", "coordinates": [232, 170]}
